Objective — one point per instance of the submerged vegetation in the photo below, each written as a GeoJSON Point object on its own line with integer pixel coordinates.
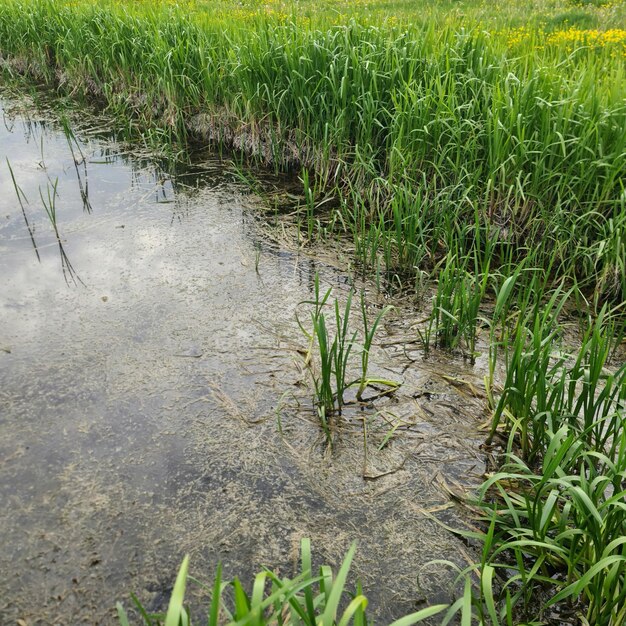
{"type": "Point", "coordinates": [487, 152]}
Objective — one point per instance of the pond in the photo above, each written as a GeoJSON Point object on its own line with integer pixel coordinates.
{"type": "Point", "coordinates": [154, 402]}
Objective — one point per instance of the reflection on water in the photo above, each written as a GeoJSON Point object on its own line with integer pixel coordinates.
{"type": "Point", "coordinates": [81, 176]}
{"type": "Point", "coordinates": [21, 198]}
{"type": "Point", "coordinates": [144, 362]}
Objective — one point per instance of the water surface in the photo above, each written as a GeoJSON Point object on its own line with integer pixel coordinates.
{"type": "Point", "coordinates": [153, 401]}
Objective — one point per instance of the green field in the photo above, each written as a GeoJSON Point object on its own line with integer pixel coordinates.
{"type": "Point", "coordinates": [479, 147]}
{"type": "Point", "coordinates": [542, 15]}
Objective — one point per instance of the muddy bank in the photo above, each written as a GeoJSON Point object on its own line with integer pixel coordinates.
{"type": "Point", "coordinates": [149, 364]}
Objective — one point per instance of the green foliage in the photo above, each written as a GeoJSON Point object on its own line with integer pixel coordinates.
{"type": "Point", "coordinates": [546, 388]}
{"type": "Point", "coordinates": [306, 600]}
{"type": "Point", "coordinates": [454, 318]}
{"type": "Point", "coordinates": [453, 153]}
{"type": "Point", "coordinates": [561, 527]}
{"type": "Point", "coordinates": [430, 137]}
{"type": "Point", "coordinates": [328, 355]}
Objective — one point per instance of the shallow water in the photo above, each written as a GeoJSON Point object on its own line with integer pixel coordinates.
{"type": "Point", "coordinates": [148, 356]}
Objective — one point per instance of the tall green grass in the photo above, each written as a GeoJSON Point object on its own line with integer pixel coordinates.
{"type": "Point", "coordinates": [545, 387]}
{"type": "Point", "coordinates": [556, 532]}
{"type": "Point", "coordinates": [433, 137]}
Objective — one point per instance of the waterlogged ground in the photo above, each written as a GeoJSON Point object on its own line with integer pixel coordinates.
{"type": "Point", "coordinates": [153, 401]}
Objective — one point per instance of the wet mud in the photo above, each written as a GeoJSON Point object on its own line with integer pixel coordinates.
{"type": "Point", "coordinates": [153, 400]}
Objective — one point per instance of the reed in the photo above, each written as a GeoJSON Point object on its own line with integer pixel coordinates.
{"type": "Point", "coordinates": [327, 357]}
{"type": "Point", "coordinates": [559, 527]}
{"type": "Point", "coordinates": [545, 387]}
{"type": "Point", "coordinates": [22, 199]}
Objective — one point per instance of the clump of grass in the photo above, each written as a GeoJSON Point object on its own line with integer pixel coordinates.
{"type": "Point", "coordinates": [455, 311]}
{"type": "Point", "coordinates": [328, 355]}
{"type": "Point", "coordinates": [526, 397]}
{"type": "Point", "coordinates": [545, 387]}
{"type": "Point", "coordinates": [305, 600]}
{"type": "Point", "coordinates": [329, 374]}
{"type": "Point", "coordinates": [50, 207]}
{"type": "Point", "coordinates": [557, 531]}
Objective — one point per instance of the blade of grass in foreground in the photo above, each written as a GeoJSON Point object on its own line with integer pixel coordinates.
{"type": "Point", "coordinates": [175, 611]}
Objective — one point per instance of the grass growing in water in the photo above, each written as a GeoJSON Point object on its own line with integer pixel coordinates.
{"type": "Point", "coordinates": [557, 529]}
{"type": "Point", "coordinates": [455, 312]}
{"type": "Point", "coordinates": [21, 198]}
{"type": "Point", "coordinates": [306, 600]}
{"type": "Point", "coordinates": [327, 357]}
{"type": "Point", "coordinates": [546, 388]}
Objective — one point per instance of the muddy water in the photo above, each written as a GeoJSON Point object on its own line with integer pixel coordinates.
{"type": "Point", "coordinates": [148, 356]}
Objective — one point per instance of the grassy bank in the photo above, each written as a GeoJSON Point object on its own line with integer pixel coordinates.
{"type": "Point", "coordinates": [435, 139]}
{"type": "Point", "coordinates": [485, 151]}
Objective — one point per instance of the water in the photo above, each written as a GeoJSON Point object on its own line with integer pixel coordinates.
{"type": "Point", "coordinates": [148, 355]}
